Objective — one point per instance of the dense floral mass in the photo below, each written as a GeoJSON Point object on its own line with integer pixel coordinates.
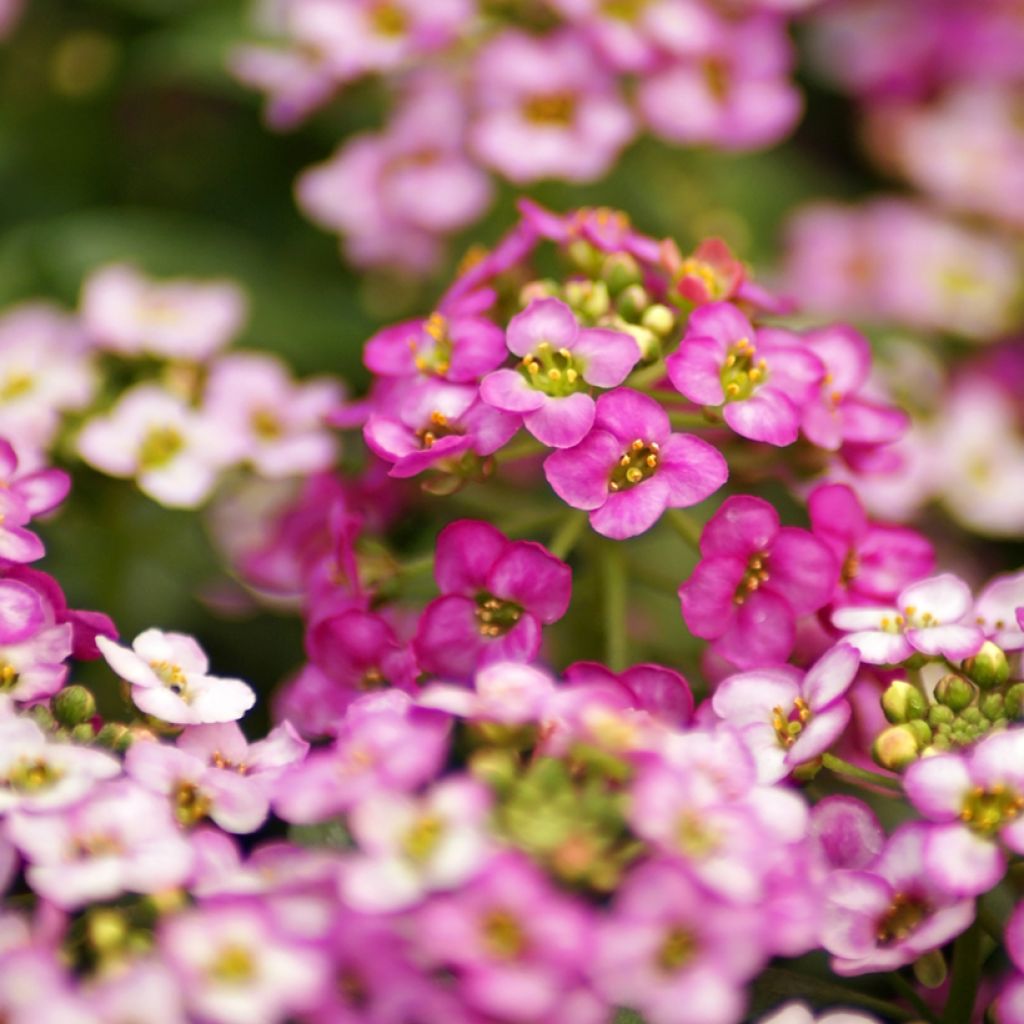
{"type": "Point", "coordinates": [450, 819]}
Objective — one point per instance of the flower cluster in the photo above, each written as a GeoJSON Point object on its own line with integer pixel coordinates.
{"type": "Point", "coordinates": [528, 91]}
{"type": "Point", "coordinates": [138, 382]}
{"type": "Point", "coordinates": [458, 814]}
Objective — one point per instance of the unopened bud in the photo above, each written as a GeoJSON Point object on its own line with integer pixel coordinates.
{"type": "Point", "coordinates": [939, 715]}
{"type": "Point", "coordinates": [633, 302]}
{"type": "Point", "coordinates": [895, 748]}
{"type": "Point", "coordinates": [115, 736]}
{"type": "Point", "coordinates": [620, 270]}
{"type": "Point", "coordinates": [930, 969]}
{"type": "Point", "coordinates": [586, 257]}
{"type": "Point", "coordinates": [921, 731]}
{"type": "Point", "coordinates": [989, 667]}
{"type": "Point", "coordinates": [902, 702]}
{"type": "Point", "coordinates": [955, 692]}
{"type": "Point", "coordinates": [83, 733]}
{"type": "Point", "coordinates": [73, 705]}
{"type": "Point", "coordinates": [991, 705]}
{"type": "Point", "coordinates": [43, 717]}
{"type": "Point", "coordinates": [658, 318]}
{"type": "Point", "coordinates": [1014, 701]}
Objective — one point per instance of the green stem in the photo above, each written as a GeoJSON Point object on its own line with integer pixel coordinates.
{"type": "Point", "coordinates": [687, 527]}
{"type": "Point", "coordinates": [963, 987]}
{"type": "Point", "coordinates": [647, 376]}
{"type": "Point", "coordinates": [905, 989]}
{"type": "Point", "coordinates": [520, 449]}
{"type": "Point", "coordinates": [688, 419]}
{"type": "Point", "coordinates": [614, 582]}
{"type": "Point", "coordinates": [779, 982]}
{"type": "Point", "coordinates": [425, 563]}
{"type": "Point", "coordinates": [567, 534]}
{"type": "Point", "coordinates": [851, 771]}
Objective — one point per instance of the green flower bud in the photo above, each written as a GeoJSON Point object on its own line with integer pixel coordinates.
{"type": "Point", "coordinates": [955, 692]}
{"type": "Point", "coordinates": [73, 705]}
{"type": "Point", "coordinates": [939, 715]}
{"type": "Point", "coordinates": [989, 667]}
{"type": "Point", "coordinates": [902, 702]}
{"type": "Point", "coordinates": [930, 969]}
{"type": "Point", "coordinates": [545, 289]}
{"type": "Point", "coordinates": [115, 736]}
{"type": "Point", "coordinates": [633, 302]}
{"type": "Point", "coordinates": [586, 257]}
{"type": "Point", "coordinates": [991, 705]}
{"type": "Point", "coordinates": [895, 748]}
{"type": "Point", "coordinates": [1014, 701]}
{"type": "Point", "coordinates": [658, 318]}
{"type": "Point", "coordinates": [922, 733]}
{"type": "Point", "coordinates": [972, 716]}
{"type": "Point", "coordinates": [43, 717]}
{"type": "Point", "coordinates": [589, 298]}
{"type": "Point", "coordinates": [83, 733]}
{"type": "Point", "coordinates": [620, 270]}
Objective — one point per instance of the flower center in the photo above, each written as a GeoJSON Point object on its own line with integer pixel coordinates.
{"type": "Point", "coordinates": [788, 727]}
{"type": "Point", "coordinates": [16, 385]}
{"type": "Point", "coordinates": [437, 357]}
{"type": "Point", "coordinates": [266, 425]}
{"type": "Point", "coordinates": [218, 760]}
{"type": "Point", "coordinates": [678, 949]}
{"type": "Point", "coordinates": [694, 837]}
{"type": "Point", "coordinates": [98, 845]}
{"type": "Point", "coordinates": [503, 936]}
{"type": "Point", "coordinates": [716, 77]}
{"type": "Point", "coordinates": [437, 426]}
{"type": "Point", "coordinates": [904, 915]}
{"type": "Point", "coordinates": [556, 372]}
{"type": "Point", "coordinates": [496, 617]}
{"type": "Point", "coordinates": [421, 840]}
{"type": "Point", "coordinates": [372, 679]}
{"type": "Point", "coordinates": [555, 109]}
{"type": "Point", "coordinates": [29, 775]}
{"type": "Point", "coordinates": [985, 811]}
{"type": "Point", "coordinates": [8, 676]}
{"type": "Point", "coordinates": [172, 676]}
{"type": "Point", "coordinates": [234, 965]}
{"type": "Point", "coordinates": [159, 446]}
{"type": "Point", "coordinates": [623, 10]}
{"type": "Point", "coordinates": [635, 466]}
{"type": "Point", "coordinates": [742, 371]}
{"type": "Point", "coordinates": [388, 19]}
{"type": "Point", "coordinates": [191, 804]}
{"type": "Point", "coordinates": [756, 574]}
{"type": "Point", "coordinates": [851, 568]}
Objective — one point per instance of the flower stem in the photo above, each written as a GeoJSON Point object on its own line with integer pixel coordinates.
{"type": "Point", "coordinates": [425, 563]}
{"type": "Point", "coordinates": [963, 986]}
{"type": "Point", "coordinates": [785, 983]}
{"type": "Point", "coordinates": [685, 526]}
{"type": "Point", "coordinates": [910, 993]}
{"type": "Point", "coordinates": [568, 533]}
{"type": "Point", "coordinates": [522, 448]}
{"type": "Point", "coordinates": [688, 419]}
{"type": "Point", "coordinates": [613, 571]}
{"type": "Point", "coordinates": [647, 376]}
{"type": "Point", "coordinates": [851, 771]}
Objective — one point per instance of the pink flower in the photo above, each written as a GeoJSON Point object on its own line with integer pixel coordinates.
{"type": "Point", "coordinates": [560, 360]}
{"type": "Point", "coordinates": [196, 789]}
{"type": "Point", "coordinates": [22, 496]}
{"type": "Point", "coordinates": [279, 425]}
{"type": "Point", "coordinates": [546, 109]}
{"type": "Point", "coordinates": [630, 467]}
{"type": "Point", "coordinates": [763, 384]}
{"type": "Point", "coordinates": [891, 912]}
{"type": "Point", "coordinates": [516, 943]}
{"type": "Point", "coordinates": [496, 596]}
{"type": "Point", "coordinates": [168, 676]}
{"type": "Point", "coordinates": [733, 95]}
{"type": "Point", "coordinates": [120, 839]}
{"type": "Point", "coordinates": [660, 691]}
{"type": "Point", "coordinates": [928, 616]}
{"type": "Point", "coordinates": [507, 692]}
{"type": "Point", "coordinates": [235, 966]}
{"type": "Point", "coordinates": [877, 559]}
{"type": "Point", "coordinates": [711, 274]}
{"type": "Point", "coordinates": [33, 643]}
{"type": "Point", "coordinates": [754, 580]}
{"type": "Point", "coordinates": [413, 846]}
{"type": "Point", "coordinates": [998, 611]}
{"type": "Point", "coordinates": [787, 718]}
{"type": "Point", "coordinates": [127, 313]}
{"type": "Point", "coordinates": [976, 801]}
{"type": "Point", "coordinates": [845, 833]}
{"type": "Point", "coordinates": [173, 452]}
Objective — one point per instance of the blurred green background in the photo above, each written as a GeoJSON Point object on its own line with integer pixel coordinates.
{"type": "Point", "coordinates": [122, 137]}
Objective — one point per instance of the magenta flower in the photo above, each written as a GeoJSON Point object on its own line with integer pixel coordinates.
{"type": "Point", "coordinates": [121, 838]}
{"type": "Point", "coordinates": [168, 676]}
{"type": "Point", "coordinates": [673, 953]}
{"type": "Point", "coordinates": [460, 349]}
{"type": "Point", "coordinates": [517, 944]}
{"type": "Point", "coordinates": [33, 644]}
{"type": "Point", "coordinates": [660, 691]}
{"type": "Point", "coordinates": [235, 965]}
{"type": "Point", "coordinates": [892, 912]}
{"type": "Point", "coordinates": [630, 467]}
{"type": "Point", "coordinates": [496, 595]}
{"type": "Point", "coordinates": [435, 422]}
{"type": "Point", "coordinates": [754, 580]}
{"type": "Point", "coordinates": [786, 717]}
{"type": "Point", "coordinates": [976, 800]}
{"type": "Point", "coordinates": [546, 108]}
{"type": "Point", "coordinates": [928, 616]}
{"type": "Point", "coordinates": [412, 846]}
{"type": "Point", "coordinates": [998, 611]}
{"type": "Point", "coordinates": [22, 496]}
{"type": "Point", "coordinates": [845, 833]}
{"type": "Point", "coordinates": [877, 560]}
{"type": "Point", "coordinates": [560, 360]}
{"type": "Point", "coordinates": [225, 746]}
{"type": "Point", "coordinates": [763, 384]}
{"type": "Point", "coordinates": [507, 692]}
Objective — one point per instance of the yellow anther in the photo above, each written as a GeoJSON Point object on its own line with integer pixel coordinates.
{"type": "Point", "coordinates": [730, 361]}
{"type": "Point", "coordinates": [571, 376]}
{"type": "Point", "coordinates": [533, 369]}
{"type": "Point", "coordinates": [652, 461]}
{"type": "Point", "coordinates": [634, 475]}
{"type": "Point", "coordinates": [732, 389]}
{"type": "Point", "coordinates": [637, 445]}
{"type": "Point", "coordinates": [554, 373]}
{"type": "Point", "coordinates": [435, 326]}
{"type": "Point", "coordinates": [565, 353]}
{"type": "Point", "coordinates": [624, 461]}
